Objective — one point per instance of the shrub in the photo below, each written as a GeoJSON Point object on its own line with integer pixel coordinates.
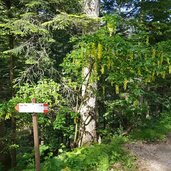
{"type": "Point", "coordinates": [95, 157]}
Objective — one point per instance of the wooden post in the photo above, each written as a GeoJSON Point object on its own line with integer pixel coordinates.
{"type": "Point", "coordinates": [36, 138]}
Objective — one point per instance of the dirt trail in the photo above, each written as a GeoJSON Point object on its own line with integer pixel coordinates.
{"type": "Point", "coordinates": [152, 157]}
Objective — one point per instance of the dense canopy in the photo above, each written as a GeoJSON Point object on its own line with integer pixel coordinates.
{"type": "Point", "coordinates": [103, 67]}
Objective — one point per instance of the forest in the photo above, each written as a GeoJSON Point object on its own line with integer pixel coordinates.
{"type": "Point", "coordinates": [103, 68]}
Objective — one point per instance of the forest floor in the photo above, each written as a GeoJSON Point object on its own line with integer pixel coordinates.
{"type": "Point", "coordinates": [152, 156]}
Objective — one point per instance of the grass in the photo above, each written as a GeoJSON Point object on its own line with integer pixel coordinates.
{"type": "Point", "coordinates": [111, 156]}
{"type": "Point", "coordinates": [95, 158]}
{"type": "Point", "coordinates": [154, 129]}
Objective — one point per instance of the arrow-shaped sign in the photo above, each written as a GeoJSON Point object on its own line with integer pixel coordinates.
{"type": "Point", "coordinates": [32, 107]}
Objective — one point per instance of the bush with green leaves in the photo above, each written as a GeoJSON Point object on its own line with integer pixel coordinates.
{"type": "Point", "coordinates": [154, 129]}
{"type": "Point", "coordinates": [95, 157]}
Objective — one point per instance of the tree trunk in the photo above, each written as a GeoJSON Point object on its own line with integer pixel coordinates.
{"type": "Point", "coordinates": [88, 106]}
{"type": "Point", "coordinates": [13, 120]}
{"type": "Point", "coordinates": [91, 8]}
{"type": "Point", "coordinates": [11, 78]}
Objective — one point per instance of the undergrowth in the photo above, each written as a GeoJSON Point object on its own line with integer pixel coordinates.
{"type": "Point", "coordinates": [154, 129]}
{"type": "Point", "coordinates": [110, 156]}
{"type": "Point", "coordinates": [99, 157]}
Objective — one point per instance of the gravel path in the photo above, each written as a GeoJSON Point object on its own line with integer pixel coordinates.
{"type": "Point", "coordinates": [152, 157]}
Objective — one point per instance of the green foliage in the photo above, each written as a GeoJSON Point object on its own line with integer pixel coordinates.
{"type": "Point", "coordinates": [126, 67]}
{"type": "Point", "coordinates": [128, 59]}
{"type": "Point", "coordinates": [27, 160]}
{"type": "Point", "coordinates": [136, 59]}
{"type": "Point", "coordinates": [96, 157]}
{"type": "Point", "coordinates": [153, 129]}
{"type": "Point", "coordinates": [72, 22]}
{"type": "Point", "coordinates": [45, 91]}
{"type": "Point", "coordinates": [43, 149]}
{"type": "Point", "coordinates": [127, 111]}
{"type": "Point", "coordinates": [1, 167]}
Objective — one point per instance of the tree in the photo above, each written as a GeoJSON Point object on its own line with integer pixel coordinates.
{"type": "Point", "coordinates": [124, 60]}
{"type": "Point", "coordinates": [27, 53]}
{"type": "Point", "coordinates": [100, 75]}
{"type": "Point", "coordinates": [88, 110]}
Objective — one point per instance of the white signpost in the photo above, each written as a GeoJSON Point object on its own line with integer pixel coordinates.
{"type": "Point", "coordinates": [34, 108]}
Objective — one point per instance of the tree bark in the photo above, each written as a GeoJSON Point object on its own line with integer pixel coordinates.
{"type": "Point", "coordinates": [13, 120]}
{"type": "Point", "coordinates": [11, 78]}
{"type": "Point", "coordinates": [91, 8]}
{"type": "Point", "coordinates": [88, 106]}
